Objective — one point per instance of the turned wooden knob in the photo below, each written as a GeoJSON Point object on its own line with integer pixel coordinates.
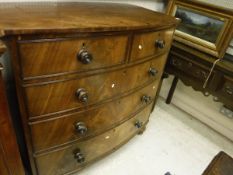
{"type": "Point", "coordinates": [82, 95]}
{"type": "Point", "coordinates": [80, 128]}
{"type": "Point", "coordinates": [138, 124]}
{"type": "Point", "coordinates": [84, 56]}
{"type": "Point", "coordinates": [160, 44]}
{"type": "Point", "coordinates": [146, 98]}
{"type": "Point", "coordinates": [153, 72]}
{"type": "Point", "coordinates": [79, 156]}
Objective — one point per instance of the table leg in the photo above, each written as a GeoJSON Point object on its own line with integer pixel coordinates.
{"type": "Point", "coordinates": [172, 90]}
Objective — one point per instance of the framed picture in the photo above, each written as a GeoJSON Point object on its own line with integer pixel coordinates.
{"type": "Point", "coordinates": [203, 26]}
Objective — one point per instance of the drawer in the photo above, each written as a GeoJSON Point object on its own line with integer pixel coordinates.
{"type": "Point", "coordinates": [72, 157]}
{"type": "Point", "coordinates": [47, 99]}
{"type": "Point", "coordinates": [193, 69]}
{"type": "Point", "coordinates": [49, 57]}
{"type": "Point", "coordinates": [50, 133]}
{"type": "Point", "coordinates": [150, 44]}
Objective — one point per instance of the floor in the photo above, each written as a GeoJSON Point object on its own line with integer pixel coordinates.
{"type": "Point", "coordinates": [173, 142]}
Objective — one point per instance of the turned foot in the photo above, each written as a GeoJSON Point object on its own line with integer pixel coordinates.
{"type": "Point", "coordinates": [141, 131]}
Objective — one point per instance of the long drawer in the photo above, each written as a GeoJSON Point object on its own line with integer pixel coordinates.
{"type": "Point", "coordinates": [74, 157]}
{"type": "Point", "coordinates": [51, 98]}
{"type": "Point", "coordinates": [66, 55]}
{"type": "Point", "coordinates": [76, 126]}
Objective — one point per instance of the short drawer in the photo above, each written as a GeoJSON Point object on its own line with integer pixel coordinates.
{"type": "Point", "coordinates": [74, 157]}
{"type": "Point", "coordinates": [62, 56]}
{"type": "Point", "coordinates": [150, 44]}
{"type": "Point", "coordinates": [193, 69]}
{"type": "Point", "coordinates": [51, 133]}
{"type": "Point", "coordinates": [52, 98]}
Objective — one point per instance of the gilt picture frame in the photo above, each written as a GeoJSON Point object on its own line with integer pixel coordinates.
{"type": "Point", "coordinates": [203, 26]}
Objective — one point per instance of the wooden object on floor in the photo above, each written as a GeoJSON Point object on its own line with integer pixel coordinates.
{"type": "Point", "coordinates": [222, 164]}
{"type": "Point", "coordinates": [172, 90]}
{"type": "Point", "coordinates": [10, 160]}
{"type": "Point", "coordinates": [86, 74]}
{"type": "Point", "coordinates": [192, 68]}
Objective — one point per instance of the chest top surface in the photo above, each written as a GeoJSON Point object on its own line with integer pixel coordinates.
{"type": "Point", "coordinates": [58, 17]}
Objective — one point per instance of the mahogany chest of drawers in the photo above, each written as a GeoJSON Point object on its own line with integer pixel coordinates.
{"type": "Point", "coordinates": [86, 77]}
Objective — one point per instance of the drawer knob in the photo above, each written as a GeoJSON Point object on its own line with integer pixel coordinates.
{"type": "Point", "coordinates": [160, 44]}
{"type": "Point", "coordinates": [153, 72]}
{"type": "Point", "coordinates": [146, 98]}
{"type": "Point", "coordinates": [84, 56]}
{"type": "Point", "coordinates": [82, 95]}
{"type": "Point", "coordinates": [176, 62]}
{"type": "Point", "coordinates": [80, 127]}
{"type": "Point", "coordinates": [79, 156]}
{"type": "Point", "coordinates": [138, 124]}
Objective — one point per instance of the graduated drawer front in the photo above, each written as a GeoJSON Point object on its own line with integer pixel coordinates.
{"type": "Point", "coordinates": [51, 133]}
{"type": "Point", "coordinates": [47, 57]}
{"type": "Point", "coordinates": [44, 100]}
{"type": "Point", "coordinates": [63, 161]}
{"type": "Point", "coordinates": [147, 44]}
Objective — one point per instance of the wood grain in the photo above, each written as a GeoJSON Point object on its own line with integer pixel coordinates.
{"type": "Point", "coordinates": [10, 159]}
{"type": "Point", "coordinates": [73, 17]}
{"type": "Point", "coordinates": [46, 57]}
{"type": "Point", "coordinates": [43, 40]}
{"type": "Point", "coordinates": [55, 132]}
{"type": "Point", "coordinates": [222, 164]}
{"type": "Point", "coordinates": [44, 100]}
{"type": "Point", "coordinates": [144, 44]}
{"type": "Point", "coordinates": [63, 161]}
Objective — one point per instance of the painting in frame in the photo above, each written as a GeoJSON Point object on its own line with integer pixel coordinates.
{"type": "Point", "coordinates": [203, 26]}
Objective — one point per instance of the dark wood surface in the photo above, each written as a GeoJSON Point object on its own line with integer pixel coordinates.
{"type": "Point", "coordinates": [10, 160]}
{"type": "Point", "coordinates": [222, 164]}
{"type": "Point", "coordinates": [58, 17]}
{"type": "Point", "coordinates": [121, 80]}
{"type": "Point", "coordinates": [192, 67]}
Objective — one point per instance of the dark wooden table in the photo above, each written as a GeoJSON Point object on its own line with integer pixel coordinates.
{"type": "Point", "coordinates": [222, 164]}
{"type": "Point", "coordinates": [192, 67]}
